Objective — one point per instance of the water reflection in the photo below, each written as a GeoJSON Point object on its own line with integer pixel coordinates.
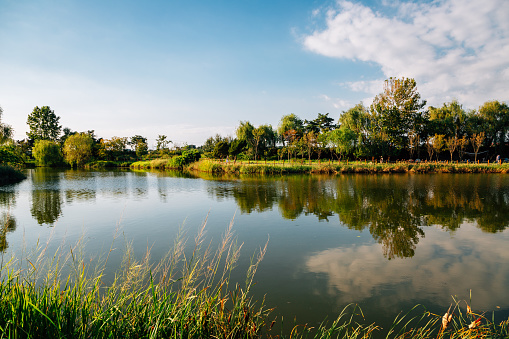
{"type": "Point", "coordinates": [439, 271]}
{"type": "Point", "coordinates": [393, 208]}
{"type": "Point", "coordinates": [46, 196]}
{"type": "Point", "coordinates": [7, 224]}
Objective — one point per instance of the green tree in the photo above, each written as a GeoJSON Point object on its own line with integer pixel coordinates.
{"type": "Point", "coordinates": [162, 143]}
{"type": "Point", "coordinates": [357, 120]}
{"type": "Point", "coordinates": [43, 124]}
{"type": "Point", "coordinates": [310, 142]}
{"type": "Point", "coordinates": [221, 150]}
{"type": "Point", "coordinates": [449, 120]}
{"type": "Point", "coordinates": [245, 132]}
{"type": "Point", "coordinates": [477, 141]}
{"type": "Point", "coordinates": [140, 145]}
{"type": "Point", "coordinates": [47, 153]}
{"type": "Point", "coordinates": [341, 141]}
{"type": "Point", "coordinates": [78, 149]}
{"type": "Point", "coordinates": [66, 133]}
{"type": "Point", "coordinates": [113, 148]}
{"type": "Point", "coordinates": [5, 130]}
{"type": "Point", "coordinates": [236, 147]}
{"type": "Point", "coordinates": [263, 137]}
{"type": "Point", "coordinates": [438, 144]}
{"type": "Point", "coordinates": [323, 123]}
{"type": "Point", "coordinates": [290, 122]}
{"type": "Point", "coordinates": [397, 111]}
{"type": "Point", "coordinates": [495, 116]}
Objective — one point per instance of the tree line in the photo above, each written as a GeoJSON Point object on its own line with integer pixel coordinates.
{"type": "Point", "coordinates": [397, 125]}
{"type": "Point", "coordinates": [50, 145]}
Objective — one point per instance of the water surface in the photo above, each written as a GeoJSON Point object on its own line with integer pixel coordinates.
{"type": "Point", "coordinates": [386, 242]}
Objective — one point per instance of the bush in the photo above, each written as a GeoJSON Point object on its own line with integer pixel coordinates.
{"type": "Point", "coordinates": [9, 175]}
{"type": "Point", "coordinates": [47, 153]}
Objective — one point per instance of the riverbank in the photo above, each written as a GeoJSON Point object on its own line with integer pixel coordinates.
{"type": "Point", "coordinates": [279, 167]}
{"type": "Point", "coordinates": [10, 175]}
{"type": "Point", "coordinates": [64, 296]}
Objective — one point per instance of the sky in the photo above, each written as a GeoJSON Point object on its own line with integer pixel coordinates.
{"type": "Point", "coordinates": [192, 69]}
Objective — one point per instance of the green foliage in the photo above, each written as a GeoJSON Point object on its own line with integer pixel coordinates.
{"type": "Point", "coordinates": [180, 296]}
{"type": "Point", "coordinates": [495, 117]}
{"type": "Point", "coordinates": [221, 150]}
{"type": "Point", "coordinates": [10, 175]}
{"type": "Point", "coordinates": [112, 149]}
{"type": "Point", "coordinates": [397, 111]}
{"type": "Point", "coordinates": [43, 124]}
{"type": "Point", "coordinates": [10, 155]}
{"type": "Point", "coordinates": [47, 153]}
{"type": "Point", "coordinates": [236, 147]}
{"type": "Point", "coordinates": [341, 140]}
{"type": "Point", "coordinates": [176, 162]}
{"type": "Point", "coordinates": [139, 145]}
{"type": "Point", "coordinates": [289, 123]}
{"type": "Point", "coordinates": [245, 132]}
{"type": "Point", "coordinates": [78, 149]}
{"type": "Point", "coordinates": [6, 131]}
{"type": "Point", "coordinates": [322, 124]}
{"type": "Point", "coordinates": [162, 143]}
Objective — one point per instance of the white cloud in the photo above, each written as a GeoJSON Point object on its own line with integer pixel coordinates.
{"type": "Point", "coordinates": [453, 48]}
{"type": "Point", "coordinates": [440, 268]}
{"type": "Point", "coordinates": [336, 102]}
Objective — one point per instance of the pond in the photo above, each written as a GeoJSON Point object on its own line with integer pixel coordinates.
{"type": "Point", "coordinates": [385, 242]}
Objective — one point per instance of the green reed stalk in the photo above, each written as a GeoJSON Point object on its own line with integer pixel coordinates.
{"type": "Point", "coordinates": [183, 295]}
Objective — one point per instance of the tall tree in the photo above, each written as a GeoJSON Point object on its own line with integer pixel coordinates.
{"type": "Point", "coordinates": [259, 135]}
{"type": "Point", "coordinates": [47, 153]}
{"type": "Point", "coordinates": [450, 120]}
{"type": "Point", "coordinates": [162, 143]}
{"type": "Point", "coordinates": [78, 149]}
{"type": "Point", "coordinates": [323, 123]}
{"type": "Point", "coordinates": [43, 123]}
{"type": "Point", "coordinates": [357, 120]}
{"type": "Point", "coordinates": [290, 122]}
{"type": "Point", "coordinates": [6, 131]}
{"type": "Point", "coordinates": [496, 123]}
{"type": "Point", "coordinates": [139, 144]}
{"type": "Point", "coordinates": [66, 133]}
{"type": "Point", "coordinates": [341, 141]}
{"type": "Point", "coordinates": [397, 111]}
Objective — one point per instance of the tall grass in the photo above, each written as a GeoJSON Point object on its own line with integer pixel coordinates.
{"type": "Point", "coordinates": [186, 294]}
{"type": "Point", "coordinates": [272, 167]}
{"type": "Point", "coordinates": [179, 296]}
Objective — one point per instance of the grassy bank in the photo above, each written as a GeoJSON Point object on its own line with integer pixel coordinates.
{"type": "Point", "coordinates": [274, 167]}
{"type": "Point", "coordinates": [10, 175]}
{"type": "Point", "coordinates": [187, 294]}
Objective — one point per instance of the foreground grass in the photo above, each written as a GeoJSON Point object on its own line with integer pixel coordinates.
{"type": "Point", "coordinates": [181, 296]}
{"type": "Point", "coordinates": [10, 175]}
{"type": "Point", "coordinates": [273, 167]}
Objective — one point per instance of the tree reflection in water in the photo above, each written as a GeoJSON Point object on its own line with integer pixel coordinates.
{"type": "Point", "coordinates": [46, 196]}
{"type": "Point", "coordinates": [7, 224]}
{"type": "Point", "coordinates": [394, 208]}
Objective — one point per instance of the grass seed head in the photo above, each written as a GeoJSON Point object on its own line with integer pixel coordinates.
{"type": "Point", "coordinates": [446, 319]}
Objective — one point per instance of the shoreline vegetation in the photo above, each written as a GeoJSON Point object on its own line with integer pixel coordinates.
{"type": "Point", "coordinates": [9, 175]}
{"type": "Point", "coordinates": [326, 167]}
{"type": "Point", "coordinates": [187, 294]}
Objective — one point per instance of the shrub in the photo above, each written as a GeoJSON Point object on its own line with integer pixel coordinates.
{"type": "Point", "coordinates": [47, 153]}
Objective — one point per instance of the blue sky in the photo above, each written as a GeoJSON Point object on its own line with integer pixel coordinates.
{"type": "Point", "coordinates": [191, 69]}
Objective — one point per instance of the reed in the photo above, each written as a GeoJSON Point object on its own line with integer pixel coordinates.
{"type": "Point", "coordinates": [183, 295]}
{"type": "Point", "coordinates": [344, 167]}
{"type": "Point", "coordinates": [186, 294]}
